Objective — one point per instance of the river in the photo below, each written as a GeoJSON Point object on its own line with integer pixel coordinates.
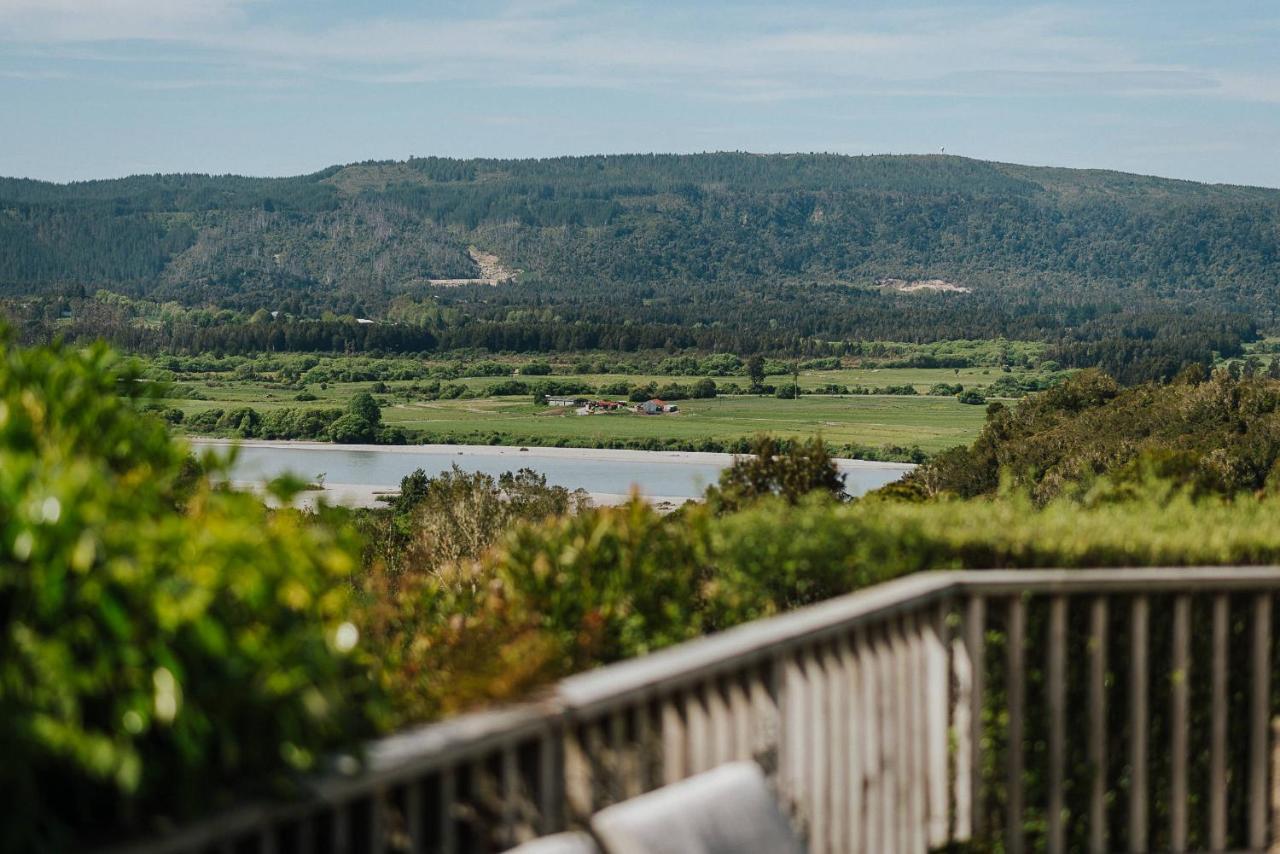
{"type": "Point", "coordinates": [352, 471]}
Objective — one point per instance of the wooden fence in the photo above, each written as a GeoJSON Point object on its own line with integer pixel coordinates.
{"type": "Point", "coordinates": [1098, 710]}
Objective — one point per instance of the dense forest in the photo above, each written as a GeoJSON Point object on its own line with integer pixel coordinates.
{"type": "Point", "coordinates": [717, 252]}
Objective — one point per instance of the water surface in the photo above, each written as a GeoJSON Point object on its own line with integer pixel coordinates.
{"type": "Point", "coordinates": [655, 473]}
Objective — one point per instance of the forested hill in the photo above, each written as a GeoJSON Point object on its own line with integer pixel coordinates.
{"type": "Point", "coordinates": [731, 238]}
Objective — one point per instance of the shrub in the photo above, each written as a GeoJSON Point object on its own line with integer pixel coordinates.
{"type": "Point", "coordinates": [204, 422]}
{"type": "Point", "coordinates": [804, 467]}
{"type": "Point", "coordinates": [672, 391]}
{"type": "Point", "coordinates": [575, 592]}
{"type": "Point", "coordinates": [1061, 440]}
{"type": "Point", "coordinates": [457, 514]}
{"type": "Point", "coordinates": [773, 556]}
{"type": "Point", "coordinates": [243, 422]}
{"type": "Point", "coordinates": [507, 388]}
{"type": "Point", "coordinates": [292, 423]}
{"type": "Point", "coordinates": [363, 406]}
{"type": "Point", "coordinates": [556, 597]}
{"type": "Point", "coordinates": [351, 429]}
{"type": "Point", "coordinates": [164, 642]}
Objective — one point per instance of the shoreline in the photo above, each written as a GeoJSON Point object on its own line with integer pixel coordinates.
{"type": "Point", "coordinates": [531, 451]}
{"type": "Point", "coordinates": [365, 495]}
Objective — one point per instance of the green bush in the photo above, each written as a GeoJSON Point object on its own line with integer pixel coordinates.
{"type": "Point", "coordinates": [772, 469]}
{"type": "Point", "coordinates": [507, 388]}
{"type": "Point", "coordinates": [456, 515]}
{"type": "Point", "coordinates": [673, 391]}
{"type": "Point", "coordinates": [606, 585]}
{"type": "Point", "coordinates": [352, 429]}
{"type": "Point", "coordinates": [774, 556]}
{"type": "Point", "coordinates": [579, 591]}
{"type": "Point", "coordinates": [164, 644]}
{"type": "Point", "coordinates": [1061, 440]}
{"type": "Point", "coordinates": [554, 598]}
{"type": "Point", "coordinates": [365, 407]}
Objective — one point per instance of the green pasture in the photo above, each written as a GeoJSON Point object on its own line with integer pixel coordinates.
{"type": "Point", "coordinates": [932, 423]}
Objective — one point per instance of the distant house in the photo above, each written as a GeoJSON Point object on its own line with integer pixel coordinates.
{"type": "Point", "coordinates": [605, 405]}
{"type": "Point", "coordinates": [656, 407]}
{"type": "Point", "coordinates": [565, 401]}
{"type": "Point", "coordinates": [363, 320]}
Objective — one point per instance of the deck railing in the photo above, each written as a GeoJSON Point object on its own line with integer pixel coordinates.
{"type": "Point", "coordinates": [1099, 710]}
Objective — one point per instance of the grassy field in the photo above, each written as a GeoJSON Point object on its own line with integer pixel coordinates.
{"type": "Point", "coordinates": [932, 423]}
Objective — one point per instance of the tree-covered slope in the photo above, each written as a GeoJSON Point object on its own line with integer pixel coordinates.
{"type": "Point", "coordinates": [1216, 435]}
{"type": "Point", "coordinates": [665, 238]}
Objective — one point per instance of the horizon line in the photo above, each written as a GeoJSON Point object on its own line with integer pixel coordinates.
{"type": "Point", "coordinates": [680, 154]}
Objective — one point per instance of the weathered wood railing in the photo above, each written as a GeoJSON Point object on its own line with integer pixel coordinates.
{"type": "Point", "coordinates": [1100, 710]}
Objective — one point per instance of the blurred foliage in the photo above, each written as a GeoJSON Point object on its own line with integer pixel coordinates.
{"type": "Point", "coordinates": [790, 471]}
{"type": "Point", "coordinates": [606, 584]}
{"type": "Point", "coordinates": [456, 515]}
{"type": "Point", "coordinates": [556, 597]}
{"type": "Point", "coordinates": [160, 639]}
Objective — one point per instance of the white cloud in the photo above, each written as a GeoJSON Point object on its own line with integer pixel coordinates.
{"type": "Point", "coordinates": [810, 52]}
{"type": "Point", "coordinates": [108, 20]}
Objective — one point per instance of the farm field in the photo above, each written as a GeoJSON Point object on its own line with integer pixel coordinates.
{"type": "Point", "coordinates": [932, 423]}
{"type": "Point", "coordinates": [436, 401]}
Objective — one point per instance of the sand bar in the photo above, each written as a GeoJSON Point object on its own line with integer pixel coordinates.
{"type": "Point", "coordinates": [515, 453]}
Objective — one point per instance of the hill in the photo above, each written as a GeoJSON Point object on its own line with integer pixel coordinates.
{"type": "Point", "coordinates": [730, 240]}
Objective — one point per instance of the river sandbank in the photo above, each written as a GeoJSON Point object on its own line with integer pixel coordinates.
{"type": "Point", "coordinates": [365, 495]}
{"type": "Point", "coordinates": [513, 452]}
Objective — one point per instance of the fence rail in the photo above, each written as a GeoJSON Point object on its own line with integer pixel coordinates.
{"type": "Point", "coordinates": [1056, 710]}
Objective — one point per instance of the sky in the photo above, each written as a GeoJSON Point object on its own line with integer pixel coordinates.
{"type": "Point", "coordinates": [106, 88]}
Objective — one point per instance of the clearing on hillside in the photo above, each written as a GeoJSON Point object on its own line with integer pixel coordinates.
{"type": "Point", "coordinates": [491, 271]}
{"type": "Point", "coordinates": [916, 285]}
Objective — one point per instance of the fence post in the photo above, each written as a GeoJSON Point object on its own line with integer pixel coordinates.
{"type": "Point", "coordinates": [1274, 848]}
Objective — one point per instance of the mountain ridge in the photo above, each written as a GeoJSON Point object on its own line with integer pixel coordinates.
{"type": "Point", "coordinates": [627, 237]}
{"type": "Point", "coordinates": [332, 168]}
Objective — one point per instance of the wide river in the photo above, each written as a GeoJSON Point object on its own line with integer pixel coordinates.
{"type": "Point", "coordinates": [604, 473]}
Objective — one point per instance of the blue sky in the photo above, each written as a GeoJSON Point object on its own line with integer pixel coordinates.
{"type": "Point", "coordinates": [102, 88]}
